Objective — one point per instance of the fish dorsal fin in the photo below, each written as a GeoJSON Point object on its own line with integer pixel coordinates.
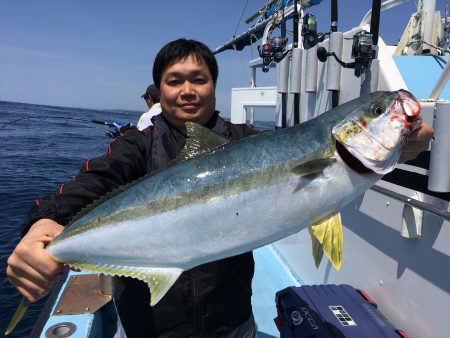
{"type": "Point", "coordinates": [327, 237]}
{"type": "Point", "coordinates": [83, 211]}
{"type": "Point", "coordinates": [313, 167]}
{"type": "Point", "coordinates": [200, 140]}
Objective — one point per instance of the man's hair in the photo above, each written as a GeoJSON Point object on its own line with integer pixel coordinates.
{"type": "Point", "coordinates": [180, 50]}
{"type": "Point", "coordinates": [152, 92]}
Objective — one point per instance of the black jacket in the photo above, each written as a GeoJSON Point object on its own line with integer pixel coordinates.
{"type": "Point", "coordinates": [207, 301]}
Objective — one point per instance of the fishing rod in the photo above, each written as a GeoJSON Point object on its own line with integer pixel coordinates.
{"type": "Point", "coordinates": [117, 127]}
{"type": "Point", "coordinates": [296, 45]}
{"type": "Point", "coordinates": [334, 23]}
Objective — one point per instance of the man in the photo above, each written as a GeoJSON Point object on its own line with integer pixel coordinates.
{"type": "Point", "coordinates": [151, 97]}
{"type": "Point", "coordinates": [211, 300]}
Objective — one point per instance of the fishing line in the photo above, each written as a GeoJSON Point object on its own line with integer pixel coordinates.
{"type": "Point", "coordinates": [240, 19]}
{"type": "Point", "coordinates": [241, 62]}
{"type": "Point", "coordinates": [45, 117]}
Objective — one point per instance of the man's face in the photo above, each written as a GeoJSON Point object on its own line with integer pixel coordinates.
{"type": "Point", "coordinates": [187, 92]}
{"type": "Point", "coordinates": [149, 101]}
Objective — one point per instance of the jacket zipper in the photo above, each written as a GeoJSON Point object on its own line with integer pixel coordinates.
{"type": "Point", "coordinates": [195, 307]}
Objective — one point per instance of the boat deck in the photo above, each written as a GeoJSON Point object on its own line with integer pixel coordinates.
{"type": "Point", "coordinates": [272, 274]}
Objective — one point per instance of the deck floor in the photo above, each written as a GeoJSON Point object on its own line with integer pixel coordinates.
{"type": "Point", "coordinates": [271, 275]}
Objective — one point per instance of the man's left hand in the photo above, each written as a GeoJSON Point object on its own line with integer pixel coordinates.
{"type": "Point", "coordinates": [418, 141]}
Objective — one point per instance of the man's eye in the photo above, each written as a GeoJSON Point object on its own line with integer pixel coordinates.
{"type": "Point", "coordinates": [200, 80]}
{"type": "Point", "coordinates": [173, 82]}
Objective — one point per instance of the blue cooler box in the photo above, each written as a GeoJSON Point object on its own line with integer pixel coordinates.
{"type": "Point", "coordinates": [322, 311]}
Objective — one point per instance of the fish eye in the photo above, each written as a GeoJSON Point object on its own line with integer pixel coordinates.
{"type": "Point", "coordinates": [377, 110]}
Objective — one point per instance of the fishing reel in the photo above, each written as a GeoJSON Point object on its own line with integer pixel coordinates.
{"type": "Point", "coordinates": [117, 128]}
{"type": "Point", "coordinates": [266, 53]}
{"type": "Point", "coordinates": [309, 31]}
{"type": "Point", "coordinates": [279, 48]}
{"type": "Point", "coordinates": [362, 51]}
{"type": "Point", "coordinates": [273, 50]}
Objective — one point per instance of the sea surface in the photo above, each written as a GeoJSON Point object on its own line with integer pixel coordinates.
{"type": "Point", "coordinates": [41, 147]}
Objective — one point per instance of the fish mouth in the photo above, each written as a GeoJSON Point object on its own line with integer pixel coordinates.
{"type": "Point", "coordinates": [409, 103]}
{"type": "Point", "coordinates": [351, 160]}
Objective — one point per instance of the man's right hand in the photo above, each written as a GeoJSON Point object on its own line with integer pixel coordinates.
{"type": "Point", "coordinates": [30, 269]}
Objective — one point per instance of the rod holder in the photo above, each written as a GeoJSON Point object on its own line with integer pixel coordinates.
{"type": "Point", "coordinates": [311, 65]}
{"type": "Point", "coordinates": [334, 68]}
{"type": "Point", "coordinates": [438, 176]}
{"type": "Point", "coordinates": [283, 75]}
{"type": "Point", "coordinates": [296, 71]}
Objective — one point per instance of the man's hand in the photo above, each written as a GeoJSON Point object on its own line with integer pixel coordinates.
{"type": "Point", "coordinates": [418, 141]}
{"type": "Point", "coordinates": [30, 269]}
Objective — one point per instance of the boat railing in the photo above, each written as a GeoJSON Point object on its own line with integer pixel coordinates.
{"type": "Point", "coordinates": [414, 203]}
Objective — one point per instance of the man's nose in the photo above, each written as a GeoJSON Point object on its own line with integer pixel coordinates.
{"type": "Point", "coordinates": [188, 88]}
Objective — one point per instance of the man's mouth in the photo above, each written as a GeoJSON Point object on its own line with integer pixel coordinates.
{"type": "Point", "coordinates": [190, 106]}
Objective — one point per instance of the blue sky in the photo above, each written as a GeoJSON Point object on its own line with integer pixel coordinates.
{"type": "Point", "coordinates": [99, 54]}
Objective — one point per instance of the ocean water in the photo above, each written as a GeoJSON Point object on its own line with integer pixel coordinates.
{"type": "Point", "coordinates": [42, 147]}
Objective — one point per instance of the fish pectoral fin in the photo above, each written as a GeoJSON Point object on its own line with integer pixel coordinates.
{"type": "Point", "coordinates": [313, 167]}
{"type": "Point", "coordinates": [159, 281]}
{"type": "Point", "coordinates": [327, 237]}
{"type": "Point", "coordinates": [200, 140]}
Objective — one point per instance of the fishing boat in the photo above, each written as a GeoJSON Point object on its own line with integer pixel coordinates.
{"type": "Point", "coordinates": [396, 236]}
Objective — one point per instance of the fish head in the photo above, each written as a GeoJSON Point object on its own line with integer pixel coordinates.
{"type": "Point", "coordinates": [375, 132]}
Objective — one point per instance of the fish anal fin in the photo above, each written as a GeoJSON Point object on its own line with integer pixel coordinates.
{"type": "Point", "coordinates": [158, 279]}
{"type": "Point", "coordinates": [313, 167]}
{"type": "Point", "coordinates": [200, 140]}
{"type": "Point", "coordinates": [317, 250]}
{"type": "Point", "coordinates": [327, 237]}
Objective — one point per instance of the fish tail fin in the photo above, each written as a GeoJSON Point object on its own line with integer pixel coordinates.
{"type": "Point", "coordinates": [18, 315]}
{"type": "Point", "coordinates": [160, 281]}
{"type": "Point", "coordinates": [327, 237]}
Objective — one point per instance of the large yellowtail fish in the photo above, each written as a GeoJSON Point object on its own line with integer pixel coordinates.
{"type": "Point", "coordinates": [222, 199]}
